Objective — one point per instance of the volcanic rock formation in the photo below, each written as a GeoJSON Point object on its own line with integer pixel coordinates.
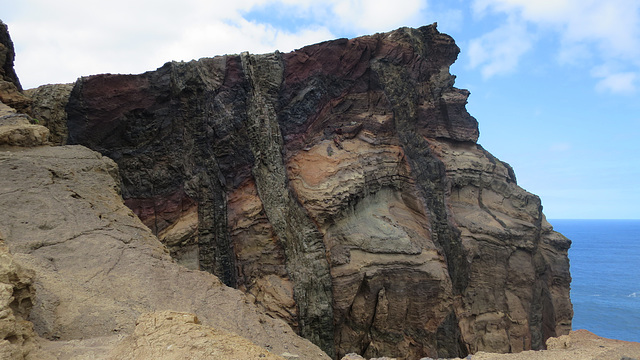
{"type": "Point", "coordinates": [77, 267]}
{"type": "Point", "coordinates": [10, 88]}
{"type": "Point", "coordinates": [341, 186]}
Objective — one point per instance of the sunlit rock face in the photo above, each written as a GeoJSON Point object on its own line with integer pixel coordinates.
{"type": "Point", "coordinates": [341, 186]}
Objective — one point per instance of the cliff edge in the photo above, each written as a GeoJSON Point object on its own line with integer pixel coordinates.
{"type": "Point", "coordinates": [339, 187]}
{"type": "Point", "coordinates": [82, 278]}
{"type": "Point", "coordinates": [342, 187]}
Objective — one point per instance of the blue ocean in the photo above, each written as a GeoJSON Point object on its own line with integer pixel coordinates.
{"type": "Point", "coordinates": [605, 266]}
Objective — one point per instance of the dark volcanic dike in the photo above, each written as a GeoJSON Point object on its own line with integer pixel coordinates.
{"type": "Point", "coordinates": [341, 186]}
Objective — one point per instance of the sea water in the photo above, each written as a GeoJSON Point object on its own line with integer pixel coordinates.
{"type": "Point", "coordinates": [605, 267]}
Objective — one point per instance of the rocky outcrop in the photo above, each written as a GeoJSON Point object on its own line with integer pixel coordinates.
{"type": "Point", "coordinates": [97, 267]}
{"type": "Point", "coordinates": [18, 130]}
{"type": "Point", "coordinates": [174, 335]}
{"type": "Point", "coordinates": [579, 344]}
{"type": "Point", "coordinates": [10, 88]}
{"type": "Point", "coordinates": [7, 57]}
{"type": "Point", "coordinates": [341, 186]}
{"type": "Point", "coordinates": [48, 109]}
{"type": "Point", "coordinates": [17, 338]}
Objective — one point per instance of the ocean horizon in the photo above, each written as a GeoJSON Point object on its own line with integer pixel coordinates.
{"type": "Point", "coordinates": [605, 269]}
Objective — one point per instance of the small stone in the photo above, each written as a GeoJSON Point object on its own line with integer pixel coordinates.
{"type": "Point", "coordinates": [353, 356]}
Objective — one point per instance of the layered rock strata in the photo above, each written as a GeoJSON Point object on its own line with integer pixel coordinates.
{"type": "Point", "coordinates": [341, 186]}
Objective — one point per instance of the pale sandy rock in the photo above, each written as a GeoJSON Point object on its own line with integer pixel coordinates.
{"type": "Point", "coordinates": [578, 345]}
{"type": "Point", "coordinates": [353, 356]}
{"type": "Point", "coordinates": [95, 348]}
{"type": "Point", "coordinates": [17, 338]}
{"type": "Point", "coordinates": [17, 129]}
{"type": "Point", "coordinates": [12, 96]}
{"type": "Point", "coordinates": [173, 335]}
{"type": "Point", "coordinates": [98, 266]}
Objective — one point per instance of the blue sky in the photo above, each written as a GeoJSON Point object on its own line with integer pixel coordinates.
{"type": "Point", "coordinates": [555, 84]}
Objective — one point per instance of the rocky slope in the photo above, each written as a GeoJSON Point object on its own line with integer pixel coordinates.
{"type": "Point", "coordinates": [341, 186]}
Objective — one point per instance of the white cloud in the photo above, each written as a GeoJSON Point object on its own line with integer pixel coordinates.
{"type": "Point", "coordinates": [616, 82]}
{"type": "Point", "coordinates": [377, 15]}
{"type": "Point", "coordinates": [499, 51]}
{"type": "Point", "coordinates": [595, 30]}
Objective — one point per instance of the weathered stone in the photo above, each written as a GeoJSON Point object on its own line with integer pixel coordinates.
{"type": "Point", "coordinates": [10, 88]}
{"type": "Point", "coordinates": [98, 266]}
{"type": "Point", "coordinates": [174, 335]}
{"type": "Point", "coordinates": [341, 186]}
{"type": "Point", "coordinates": [48, 109]}
{"type": "Point", "coordinates": [7, 57]}
{"type": "Point", "coordinates": [17, 338]}
{"type": "Point", "coordinates": [17, 129]}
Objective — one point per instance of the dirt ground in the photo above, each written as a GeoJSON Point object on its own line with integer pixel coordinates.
{"type": "Point", "coordinates": [578, 345]}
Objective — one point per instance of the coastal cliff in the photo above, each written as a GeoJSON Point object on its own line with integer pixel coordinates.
{"type": "Point", "coordinates": [340, 187]}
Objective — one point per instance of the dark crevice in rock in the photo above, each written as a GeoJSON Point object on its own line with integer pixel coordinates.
{"type": "Point", "coordinates": [449, 338]}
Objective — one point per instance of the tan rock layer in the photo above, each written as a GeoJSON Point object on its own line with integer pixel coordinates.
{"type": "Point", "coordinates": [172, 335]}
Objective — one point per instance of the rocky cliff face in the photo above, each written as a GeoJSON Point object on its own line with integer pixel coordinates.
{"type": "Point", "coordinates": [10, 88]}
{"type": "Point", "coordinates": [341, 186]}
{"type": "Point", "coordinates": [97, 267]}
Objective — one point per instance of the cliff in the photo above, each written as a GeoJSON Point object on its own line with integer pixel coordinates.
{"type": "Point", "coordinates": [340, 187]}
{"type": "Point", "coordinates": [96, 268]}
{"type": "Point", "coordinates": [10, 88]}
{"type": "Point", "coordinates": [77, 267]}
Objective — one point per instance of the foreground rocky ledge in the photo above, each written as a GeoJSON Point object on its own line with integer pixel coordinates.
{"type": "Point", "coordinates": [97, 267]}
{"type": "Point", "coordinates": [578, 345]}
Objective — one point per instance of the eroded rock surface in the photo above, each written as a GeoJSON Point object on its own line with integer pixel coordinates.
{"type": "Point", "coordinates": [48, 109]}
{"type": "Point", "coordinates": [171, 335]}
{"type": "Point", "coordinates": [98, 267]}
{"type": "Point", "coordinates": [18, 130]}
{"type": "Point", "coordinates": [341, 186]}
{"type": "Point", "coordinates": [10, 88]}
{"type": "Point", "coordinates": [17, 338]}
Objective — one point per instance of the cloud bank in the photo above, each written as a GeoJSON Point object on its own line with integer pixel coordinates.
{"type": "Point", "coordinates": [604, 34]}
